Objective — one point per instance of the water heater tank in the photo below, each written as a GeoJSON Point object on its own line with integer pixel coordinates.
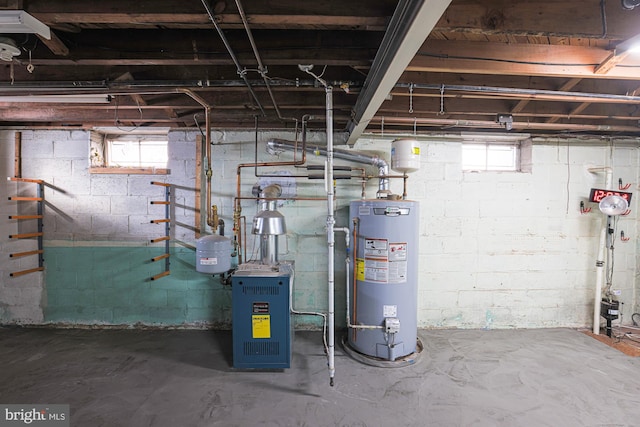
{"type": "Point", "coordinates": [405, 155]}
{"type": "Point", "coordinates": [384, 286]}
{"type": "Point", "coordinates": [213, 254]}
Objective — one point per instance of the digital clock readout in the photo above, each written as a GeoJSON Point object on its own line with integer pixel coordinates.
{"type": "Point", "coordinates": [597, 195]}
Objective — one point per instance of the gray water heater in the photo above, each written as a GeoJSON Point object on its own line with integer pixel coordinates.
{"type": "Point", "coordinates": [384, 277]}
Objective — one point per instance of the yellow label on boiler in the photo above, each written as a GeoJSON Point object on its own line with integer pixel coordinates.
{"type": "Point", "coordinates": [360, 269]}
{"type": "Point", "coordinates": [416, 150]}
{"type": "Point", "coordinates": [261, 325]}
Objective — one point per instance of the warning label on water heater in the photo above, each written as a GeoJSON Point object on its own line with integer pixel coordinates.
{"type": "Point", "coordinates": [385, 262]}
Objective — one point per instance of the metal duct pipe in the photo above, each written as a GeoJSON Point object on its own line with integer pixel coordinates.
{"type": "Point", "coordinates": [275, 144]}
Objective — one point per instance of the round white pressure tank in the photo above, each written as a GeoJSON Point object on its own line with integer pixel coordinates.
{"type": "Point", "coordinates": [405, 155]}
{"type": "Point", "coordinates": [213, 254]}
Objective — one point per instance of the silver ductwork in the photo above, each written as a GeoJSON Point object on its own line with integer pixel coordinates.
{"type": "Point", "coordinates": [269, 224]}
{"type": "Point", "coordinates": [275, 146]}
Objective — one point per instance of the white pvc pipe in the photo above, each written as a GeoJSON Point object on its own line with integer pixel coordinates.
{"type": "Point", "coordinates": [330, 234]}
{"type": "Point", "coordinates": [600, 261]}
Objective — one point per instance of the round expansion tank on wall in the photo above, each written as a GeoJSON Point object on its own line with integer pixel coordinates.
{"type": "Point", "coordinates": [405, 155]}
{"type": "Point", "coordinates": [213, 254]}
{"type": "Point", "coordinates": [384, 286]}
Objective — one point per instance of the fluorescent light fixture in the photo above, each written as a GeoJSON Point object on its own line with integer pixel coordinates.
{"type": "Point", "coordinates": [59, 99]}
{"type": "Point", "coordinates": [631, 45]}
{"type": "Point", "coordinates": [19, 21]}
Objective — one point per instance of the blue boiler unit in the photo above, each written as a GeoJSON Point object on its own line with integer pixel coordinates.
{"type": "Point", "coordinates": [262, 327]}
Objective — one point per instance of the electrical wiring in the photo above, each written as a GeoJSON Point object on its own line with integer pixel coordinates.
{"type": "Point", "coordinates": [509, 61]}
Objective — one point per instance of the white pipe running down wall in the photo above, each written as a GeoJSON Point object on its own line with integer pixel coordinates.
{"type": "Point", "coordinates": [600, 260]}
{"type": "Point", "coordinates": [330, 233]}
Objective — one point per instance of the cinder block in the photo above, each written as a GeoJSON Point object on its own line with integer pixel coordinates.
{"type": "Point", "coordinates": [141, 186]}
{"type": "Point", "coordinates": [36, 149]}
{"type": "Point", "coordinates": [46, 169]}
{"type": "Point", "coordinates": [71, 148]}
{"type": "Point", "coordinates": [109, 225]}
{"type": "Point", "coordinates": [108, 185]}
{"type": "Point", "coordinates": [69, 187]}
{"type": "Point", "coordinates": [92, 204]}
{"type": "Point", "coordinates": [129, 205]}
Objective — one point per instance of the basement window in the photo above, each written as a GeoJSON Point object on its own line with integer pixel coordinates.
{"type": "Point", "coordinates": [129, 154]}
{"type": "Point", "coordinates": [488, 156]}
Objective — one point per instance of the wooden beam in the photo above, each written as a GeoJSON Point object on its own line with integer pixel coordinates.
{"type": "Point", "coordinates": [569, 18]}
{"type": "Point", "coordinates": [17, 162]}
{"type": "Point", "coordinates": [514, 59]}
{"type": "Point", "coordinates": [226, 21]}
{"type": "Point", "coordinates": [11, 4]}
{"type": "Point", "coordinates": [568, 85]}
{"type": "Point", "coordinates": [611, 61]}
{"type": "Point", "coordinates": [55, 45]}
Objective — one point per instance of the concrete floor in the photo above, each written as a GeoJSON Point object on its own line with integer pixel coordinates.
{"type": "Point", "coordinates": [556, 377]}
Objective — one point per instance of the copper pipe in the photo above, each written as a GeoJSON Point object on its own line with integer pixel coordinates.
{"type": "Point", "coordinates": [355, 276]}
{"type": "Point", "coordinates": [363, 176]}
{"type": "Point", "coordinates": [244, 219]}
{"type": "Point", "coordinates": [207, 111]}
{"type": "Point", "coordinates": [316, 199]}
{"type": "Point", "coordinates": [404, 187]}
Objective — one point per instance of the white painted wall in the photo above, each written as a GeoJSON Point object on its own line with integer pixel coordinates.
{"type": "Point", "coordinates": [497, 250]}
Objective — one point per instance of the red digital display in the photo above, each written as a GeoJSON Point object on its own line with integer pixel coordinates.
{"type": "Point", "coordinates": [597, 195]}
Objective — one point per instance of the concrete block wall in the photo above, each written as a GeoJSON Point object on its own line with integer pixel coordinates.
{"type": "Point", "coordinates": [497, 250]}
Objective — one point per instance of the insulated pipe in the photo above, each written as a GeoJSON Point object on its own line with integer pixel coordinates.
{"type": "Point", "coordinates": [600, 261]}
{"type": "Point", "coordinates": [383, 167]}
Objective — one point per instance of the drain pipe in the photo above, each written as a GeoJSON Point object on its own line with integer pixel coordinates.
{"type": "Point", "coordinates": [600, 260]}
{"type": "Point", "coordinates": [240, 71]}
{"type": "Point", "coordinates": [328, 186]}
{"type": "Point", "coordinates": [328, 182]}
{"type": "Point", "coordinates": [275, 144]}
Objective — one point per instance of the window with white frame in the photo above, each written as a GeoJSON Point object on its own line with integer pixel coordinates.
{"type": "Point", "coordinates": [136, 152]}
{"type": "Point", "coordinates": [487, 156]}
{"type": "Point", "coordinates": [125, 153]}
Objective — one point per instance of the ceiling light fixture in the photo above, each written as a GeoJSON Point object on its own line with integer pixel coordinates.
{"type": "Point", "coordinates": [630, 4]}
{"type": "Point", "coordinates": [59, 99]}
{"type": "Point", "coordinates": [505, 120]}
{"type": "Point", "coordinates": [19, 21]}
{"type": "Point", "coordinates": [631, 45]}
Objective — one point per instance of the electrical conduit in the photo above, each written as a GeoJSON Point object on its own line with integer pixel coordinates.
{"type": "Point", "coordinates": [600, 260]}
